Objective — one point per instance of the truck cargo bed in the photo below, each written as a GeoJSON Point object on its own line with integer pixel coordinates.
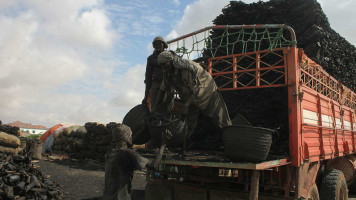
{"type": "Point", "coordinates": [214, 159]}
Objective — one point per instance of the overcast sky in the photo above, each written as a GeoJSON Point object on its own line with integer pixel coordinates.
{"type": "Point", "coordinates": [84, 60]}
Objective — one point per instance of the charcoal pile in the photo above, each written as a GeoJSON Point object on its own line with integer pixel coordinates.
{"type": "Point", "coordinates": [266, 108]}
{"type": "Point", "coordinates": [83, 142]}
{"type": "Point", "coordinates": [314, 34]}
{"type": "Point", "coordinates": [269, 107]}
{"type": "Point", "coordinates": [21, 180]}
{"type": "Point", "coordinates": [206, 136]}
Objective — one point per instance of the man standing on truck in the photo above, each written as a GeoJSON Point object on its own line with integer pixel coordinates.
{"type": "Point", "coordinates": [195, 87]}
{"type": "Point", "coordinates": [121, 162]}
{"type": "Point", "coordinates": [154, 74]}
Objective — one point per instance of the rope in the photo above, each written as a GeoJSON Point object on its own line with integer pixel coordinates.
{"type": "Point", "coordinates": [227, 41]}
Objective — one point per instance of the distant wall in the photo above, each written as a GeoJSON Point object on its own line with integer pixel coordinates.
{"type": "Point", "coordinates": [33, 131]}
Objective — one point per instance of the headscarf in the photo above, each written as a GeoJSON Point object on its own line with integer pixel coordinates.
{"type": "Point", "coordinates": [121, 136]}
{"type": "Point", "coordinates": [178, 62]}
{"type": "Point", "coordinates": [165, 57]}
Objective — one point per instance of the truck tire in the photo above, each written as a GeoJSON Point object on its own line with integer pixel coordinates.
{"type": "Point", "coordinates": [333, 185]}
{"type": "Point", "coordinates": [136, 119]}
{"type": "Point", "coordinates": [313, 193]}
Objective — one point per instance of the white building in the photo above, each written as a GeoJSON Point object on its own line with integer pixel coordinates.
{"type": "Point", "coordinates": [32, 129]}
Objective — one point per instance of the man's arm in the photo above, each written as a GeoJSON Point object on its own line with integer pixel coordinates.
{"type": "Point", "coordinates": [148, 79]}
{"type": "Point", "coordinates": [165, 137]}
{"type": "Point", "coordinates": [158, 100]}
{"type": "Point", "coordinates": [189, 80]}
{"type": "Point", "coordinates": [161, 92]}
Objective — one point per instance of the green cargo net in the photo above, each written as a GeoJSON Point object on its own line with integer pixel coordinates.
{"type": "Point", "coordinates": [232, 39]}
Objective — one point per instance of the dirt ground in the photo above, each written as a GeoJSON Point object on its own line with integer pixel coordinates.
{"type": "Point", "coordinates": [85, 179]}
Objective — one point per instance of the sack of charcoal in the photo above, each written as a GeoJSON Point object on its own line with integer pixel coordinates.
{"type": "Point", "coordinates": [9, 144]}
{"type": "Point", "coordinates": [35, 149]}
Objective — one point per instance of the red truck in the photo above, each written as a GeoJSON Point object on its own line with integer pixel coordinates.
{"type": "Point", "coordinates": [321, 124]}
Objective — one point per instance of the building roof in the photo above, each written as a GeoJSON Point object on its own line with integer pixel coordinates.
{"type": "Point", "coordinates": [24, 125]}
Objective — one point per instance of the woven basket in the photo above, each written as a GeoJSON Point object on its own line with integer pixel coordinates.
{"type": "Point", "coordinates": [247, 143]}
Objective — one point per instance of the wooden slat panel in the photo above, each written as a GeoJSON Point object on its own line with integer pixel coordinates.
{"type": "Point", "coordinates": [310, 117]}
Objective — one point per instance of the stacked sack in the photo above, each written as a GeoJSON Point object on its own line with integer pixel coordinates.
{"type": "Point", "coordinates": [96, 141]}
{"type": "Point", "coordinates": [65, 137]}
{"type": "Point", "coordinates": [83, 142]}
{"type": "Point", "coordinates": [9, 144]}
{"type": "Point", "coordinates": [13, 130]}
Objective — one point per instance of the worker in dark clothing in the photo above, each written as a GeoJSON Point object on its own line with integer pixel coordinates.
{"type": "Point", "coordinates": [121, 162]}
{"type": "Point", "coordinates": [195, 87]}
{"type": "Point", "coordinates": [154, 75]}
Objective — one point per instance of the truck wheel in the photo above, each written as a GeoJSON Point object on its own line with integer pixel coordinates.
{"type": "Point", "coordinates": [136, 120]}
{"type": "Point", "coordinates": [333, 186]}
{"type": "Point", "coordinates": [313, 193]}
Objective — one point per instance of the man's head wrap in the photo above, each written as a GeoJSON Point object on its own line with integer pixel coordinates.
{"type": "Point", "coordinates": [164, 57]}
{"type": "Point", "coordinates": [121, 136]}
{"type": "Point", "coordinates": [178, 62]}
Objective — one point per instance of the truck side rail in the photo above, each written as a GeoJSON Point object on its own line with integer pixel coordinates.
{"type": "Point", "coordinates": [260, 69]}
{"type": "Point", "coordinates": [328, 118]}
{"type": "Point", "coordinates": [222, 40]}
{"type": "Point", "coordinates": [316, 78]}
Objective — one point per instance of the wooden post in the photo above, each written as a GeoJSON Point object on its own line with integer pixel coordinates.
{"type": "Point", "coordinates": [255, 182]}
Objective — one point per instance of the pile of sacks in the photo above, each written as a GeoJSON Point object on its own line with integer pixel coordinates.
{"type": "Point", "coordinates": [10, 144]}
{"type": "Point", "coordinates": [13, 130]}
{"type": "Point", "coordinates": [81, 142]}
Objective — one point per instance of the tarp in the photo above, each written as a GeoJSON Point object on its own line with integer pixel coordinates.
{"type": "Point", "coordinates": [47, 145]}
{"type": "Point", "coordinates": [49, 132]}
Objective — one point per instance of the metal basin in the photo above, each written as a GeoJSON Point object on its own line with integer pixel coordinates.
{"type": "Point", "coordinates": [247, 143]}
{"type": "Point", "coordinates": [174, 123]}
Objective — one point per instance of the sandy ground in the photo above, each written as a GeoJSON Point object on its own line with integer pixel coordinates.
{"type": "Point", "coordinates": [85, 179]}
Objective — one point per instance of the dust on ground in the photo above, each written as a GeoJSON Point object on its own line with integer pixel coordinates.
{"type": "Point", "coordinates": [85, 179]}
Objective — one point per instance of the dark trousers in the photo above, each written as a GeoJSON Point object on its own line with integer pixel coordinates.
{"type": "Point", "coordinates": [117, 178]}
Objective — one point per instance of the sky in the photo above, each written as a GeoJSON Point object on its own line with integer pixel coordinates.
{"type": "Point", "coordinates": [84, 61]}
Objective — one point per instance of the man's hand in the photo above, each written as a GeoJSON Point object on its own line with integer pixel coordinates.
{"type": "Point", "coordinates": [166, 136]}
